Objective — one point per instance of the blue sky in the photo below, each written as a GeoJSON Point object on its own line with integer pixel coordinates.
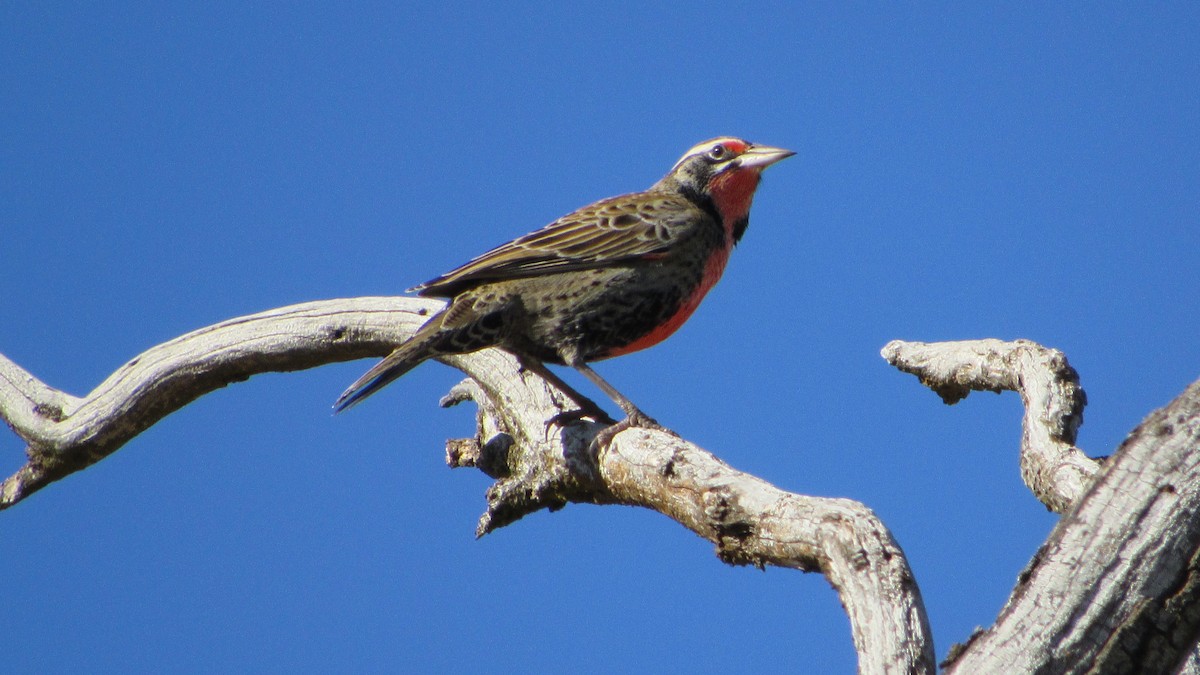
{"type": "Point", "coordinates": [1024, 171]}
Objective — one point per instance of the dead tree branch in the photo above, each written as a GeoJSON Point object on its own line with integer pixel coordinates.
{"type": "Point", "coordinates": [66, 434]}
{"type": "Point", "coordinates": [749, 520]}
{"type": "Point", "coordinates": [1054, 469]}
{"type": "Point", "coordinates": [1117, 584]}
{"type": "Point", "coordinates": [1116, 588]}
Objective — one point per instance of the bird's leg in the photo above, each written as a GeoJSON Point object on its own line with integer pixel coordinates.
{"type": "Point", "coordinates": [587, 407]}
{"type": "Point", "coordinates": [630, 409]}
{"type": "Point", "coordinates": [633, 416]}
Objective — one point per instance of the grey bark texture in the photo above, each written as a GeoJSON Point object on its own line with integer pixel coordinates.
{"type": "Point", "coordinates": [1114, 589]}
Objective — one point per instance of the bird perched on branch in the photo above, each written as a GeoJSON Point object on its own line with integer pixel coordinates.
{"type": "Point", "coordinates": [614, 277]}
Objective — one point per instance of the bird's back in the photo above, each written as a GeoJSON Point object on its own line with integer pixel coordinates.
{"type": "Point", "coordinates": [643, 226]}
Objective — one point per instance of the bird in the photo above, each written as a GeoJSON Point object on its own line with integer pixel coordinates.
{"type": "Point", "coordinates": [614, 277]}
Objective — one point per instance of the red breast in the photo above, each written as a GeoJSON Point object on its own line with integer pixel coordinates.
{"type": "Point", "coordinates": [732, 193]}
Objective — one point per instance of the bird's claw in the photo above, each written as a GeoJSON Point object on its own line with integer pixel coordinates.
{"type": "Point", "coordinates": [635, 420]}
{"type": "Point", "coordinates": [569, 417]}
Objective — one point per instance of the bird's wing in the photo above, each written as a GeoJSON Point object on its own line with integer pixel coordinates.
{"type": "Point", "coordinates": [629, 227]}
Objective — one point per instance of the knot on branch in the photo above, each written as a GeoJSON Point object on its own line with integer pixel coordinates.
{"type": "Point", "coordinates": [732, 528]}
{"type": "Point", "coordinates": [536, 466]}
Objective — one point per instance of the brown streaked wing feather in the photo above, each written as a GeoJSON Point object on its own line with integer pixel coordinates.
{"type": "Point", "coordinates": [615, 229]}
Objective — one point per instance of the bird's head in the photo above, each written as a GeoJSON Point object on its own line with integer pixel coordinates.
{"type": "Point", "coordinates": [722, 174]}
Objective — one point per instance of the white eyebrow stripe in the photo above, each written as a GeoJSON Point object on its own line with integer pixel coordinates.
{"type": "Point", "coordinates": [703, 147]}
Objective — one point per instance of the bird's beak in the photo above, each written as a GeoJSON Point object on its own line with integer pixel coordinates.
{"type": "Point", "coordinates": [762, 156]}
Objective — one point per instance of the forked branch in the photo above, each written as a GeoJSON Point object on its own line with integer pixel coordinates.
{"type": "Point", "coordinates": [749, 520]}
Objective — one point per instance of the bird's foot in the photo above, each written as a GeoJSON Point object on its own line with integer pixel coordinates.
{"type": "Point", "coordinates": [569, 417]}
{"type": "Point", "coordinates": [636, 419]}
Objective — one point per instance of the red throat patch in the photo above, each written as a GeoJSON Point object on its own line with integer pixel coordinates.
{"type": "Point", "coordinates": [732, 192]}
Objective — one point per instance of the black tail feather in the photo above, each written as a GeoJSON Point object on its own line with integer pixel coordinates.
{"type": "Point", "coordinates": [407, 356]}
{"type": "Point", "coordinates": [384, 373]}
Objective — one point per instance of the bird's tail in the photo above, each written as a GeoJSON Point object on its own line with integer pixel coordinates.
{"type": "Point", "coordinates": [407, 356]}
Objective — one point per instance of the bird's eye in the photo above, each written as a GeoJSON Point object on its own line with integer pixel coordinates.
{"type": "Point", "coordinates": [718, 152]}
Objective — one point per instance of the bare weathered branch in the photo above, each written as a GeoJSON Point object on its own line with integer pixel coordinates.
{"type": "Point", "coordinates": [66, 434]}
{"type": "Point", "coordinates": [1116, 587]}
{"type": "Point", "coordinates": [1054, 469]}
{"type": "Point", "coordinates": [754, 522]}
{"type": "Point", "coordinates": [750, 521]}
